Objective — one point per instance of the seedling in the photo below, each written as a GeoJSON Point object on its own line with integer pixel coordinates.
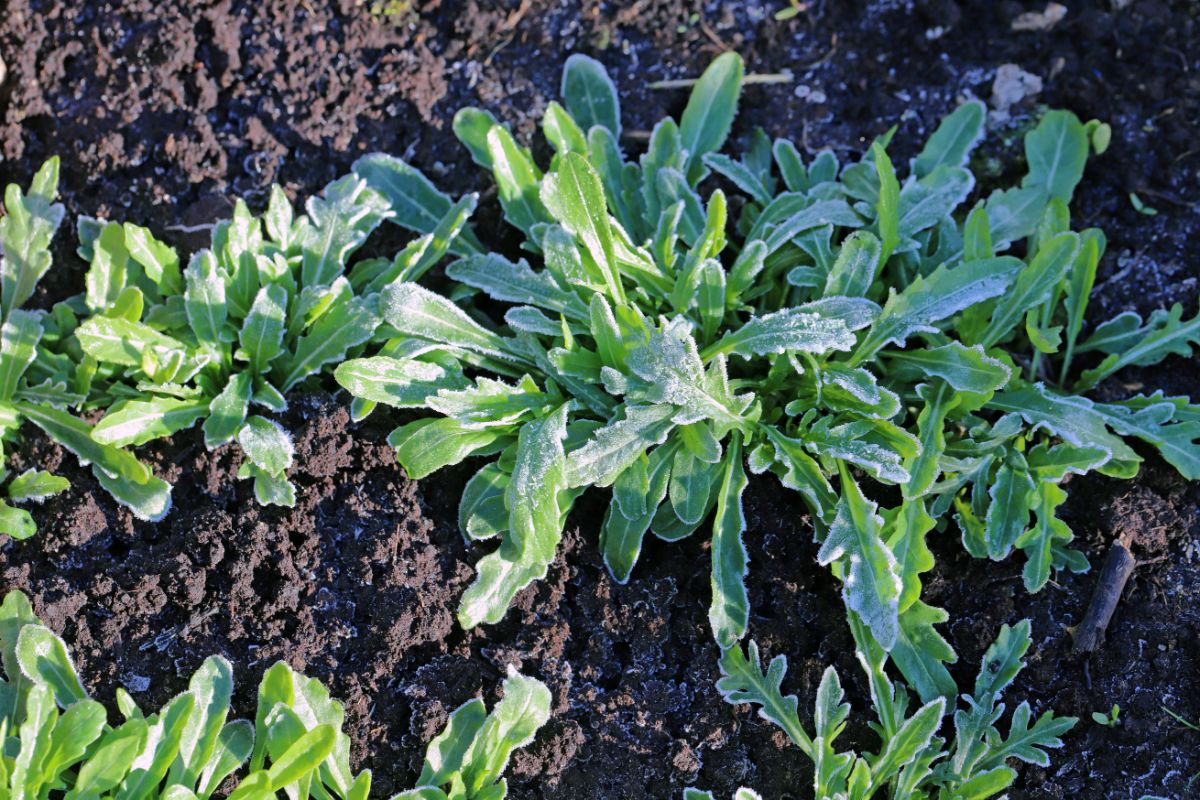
{"type": "Point", "coordinates": [911, 759]}
{"type": "Point", "coordinates": [1111, 719]}
{"type": "Point", "coordinates": [54, 738]}
{"type": "Point", "coordinates": [39, 381]}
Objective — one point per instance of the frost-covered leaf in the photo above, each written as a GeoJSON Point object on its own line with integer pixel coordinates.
{"type": "Point", "coordinates": [266, 444]}
{"type": "Point", "coordinates": [503, 280]}
{"type": "Point", "coordinates": [397, 382]}
{"type": "Point", "coordinates": [871, 583]}
{"type": "Point", "coordinates": [615, 446]}
{"type": "Point", "coordinates": [966, 369]}
{"type": "Point", "coordinates": [262, 330]}
{"type": "Point", "coordinates": [781, 331]}
{"type": "Point", "coordinates": [139, 421]}
{"type": "Point", "coordinates": [414, 202]}
{"type": "Point", "coordinates": [535, 522]}
{"type": "Point", "coordinates": [938, 296]}
{"type": "Point", "coordinates": [415, 311]}
{"type": "Point", "coordinates": [729, 613]}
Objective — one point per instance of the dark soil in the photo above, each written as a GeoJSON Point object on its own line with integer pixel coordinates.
{"type": "Point", "coordinates": [165, 110]}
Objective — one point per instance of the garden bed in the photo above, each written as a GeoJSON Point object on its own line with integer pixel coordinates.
{"type": "Point", "coordinates": [162, 112]}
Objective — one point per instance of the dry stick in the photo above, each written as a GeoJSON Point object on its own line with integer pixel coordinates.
{"type": "Point", "coordinates": [1118, 566]}
{"type": "Point", "coordinates": [754, 77]}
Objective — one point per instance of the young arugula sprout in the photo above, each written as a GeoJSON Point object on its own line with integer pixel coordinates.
{"type": "Point", "coordinates": [466, 761]}
{"type": "Point", "coordinates": [55, 738]}
{"type": "Point", "coordinates": [268, 305]}
{"type": "Point", "coordinates": [1110, 720]}
{"type": "Point", "coordinates": [38, 379]}
{"type": "Point", "coordinates": [912, 761]}
{"type": "Point", "coordinates": [833, 327]}
{"type": "Point", "coordinates": [741, 794]}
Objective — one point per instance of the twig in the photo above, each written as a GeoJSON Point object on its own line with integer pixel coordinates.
{"type": "Point", "coordinates": [1118, 566]}
{"type": "Point", "coordinates": [754, 77]}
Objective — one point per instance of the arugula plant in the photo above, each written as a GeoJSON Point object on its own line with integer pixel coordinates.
{"type": "Point", "coordinates": [912, 761]}
{"type": "Point", "coordinates": [36, 376]}
{"type": "Point", "coordinates": [223, 340]}
{"type": "Point", "coordinates": [55, 738]}
{"type": "Point", "coordinates": [466, 761]}
{"type": "Point", "coordinates": [828, 324]}
{"type": "Point", "coordinates": [831, 326]}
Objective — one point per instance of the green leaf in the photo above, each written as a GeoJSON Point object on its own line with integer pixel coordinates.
{"type": "Point", "coordinates": [227, 411]}
{"type": "Point", "coordinates": [952, 142]}
{"type": "Point", "coordinates": [16, 522]}
{"type": "Point", "coordinates": [1008, 512]}
{"type": "Point", "coordinates": [108, 273]}
{"type": "Point", "coordinates": [937, 296]}
{"type": "Point", "coordinates": [26, 230]}
{"type": "Point", "coordinates": [1032, 286]}
{"type": "Point", "coordinates": [303, 757]}
{"type": "Point", "coordinates": [710, 110]}
{"type": "Point", "coordinates": [128, 480]}
{"type": "Point", "coordinates": [729, 613]}
{"type": "Point", "coordinates": [920, 652]}
{"type": "Point", "coordinates": [512, 724]}
{"type": "Point", "coordinates": [119, 341]}
{"type": "Point", "coordinates": [503, 280]}
{"type": "Point", "coordinates": [234, 743]}
{"type": "Point", "coordinates": [427, 445]}
{"type": "Point", "coordinates": [1165, 334]}
{"type": "Point", "coordinates": [43, 658]}
{"type": "Point", "coordinates": [1048, 530]}
{"type": "Point", "coordinates": [159, 260]}
{"type": "Point", "coordinates": [871, 583]}
{"type": "Point", "coordinates": [204, 298]}
{"type": "Point", "coordinates": [534, 526]}
{"type": "Point", "coordinates": [906, 529]}
{"type": "Point", "coordinates": [858, 262]}
{"type": "Point", "coordinates": [908, 742]}
{"type": "Point", "coordinates": [612, 448]}
{"type": "Point", "coordinates": [266, 444]}
{"type": "Point", "coordinates": [212, 687]}
{"type": "Point", "coordinates": [671, 364]}
{"type": "Point", "coordinates": [887, 209]}
{"type": "Point", "coordinates": [575, 197]}
{"type": "Point", "coordinates": [691, 481]}
{"type": "Point", "coordinates": [415, 311]}
{"type": "Point", "coordinates": [1056, 151]}
{"type": "Point", "coordinates": [448, 750]}
{"type": "Point", "coordinates": [397, 382]}
{"type": "Point", "coordinates": [790, 329]}
{"type": "Point", "coordinates": [744, 681]}
{"type": "Point", "coordinates": [517, 179]}
{"type": "Point", "coordinates": [261, 335]}
{"type": "Point", "coordinates": [482, 512]}
{"type": "Point", "coordinates": [19, 337]}
{"type": "Point", "coordinates": [138, 421]}
{"type": "Point", "coordinates": [621, 536]}
{"type": "Point", "coordinates": [110, 761]}
{"type": "Point", "coordinates": [415, 203]}
{"type": "Point", "coordinates": [348, 323]}
{"type": "Point", "coordinates": [965, 369]}
{"type": "Point", "coordinates": [36, 486]}
{"type": "Point", "coordinates": [1080, 281]}
{"type": "Point", "coordinates": [471, 126]}
{"type": "Point", "coordinates": [562, 131]}
{"type": "Point", "coordinates": [590, 95]}
{"type": "Point", "coordinates": [923, 469]}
